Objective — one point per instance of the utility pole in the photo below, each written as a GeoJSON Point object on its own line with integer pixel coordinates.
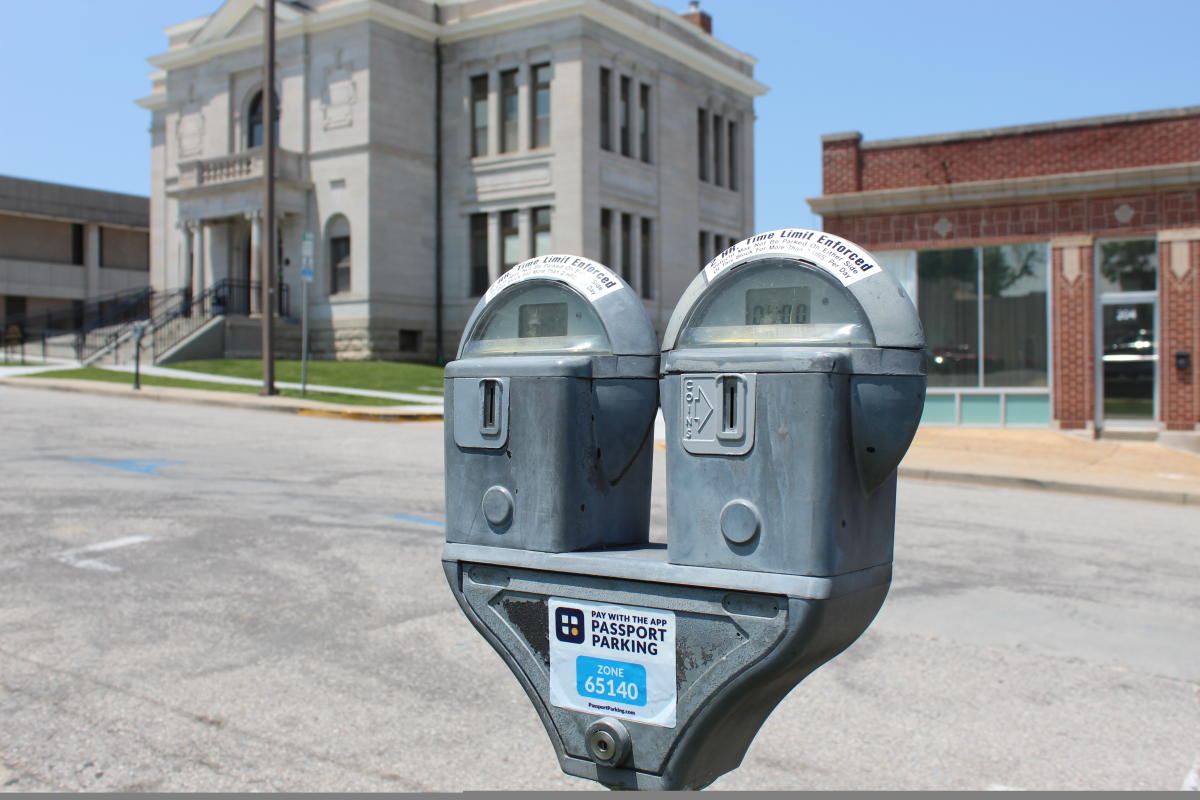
{"type": "Point", "coordinates": [268, 242]}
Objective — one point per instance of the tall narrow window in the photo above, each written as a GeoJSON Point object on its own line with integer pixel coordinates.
{"type": "Point", "coordinates": [254, 121]}
{"type": "Point", "coordinates": [510, 241]}
{"type": "Point", "coordinates": [703, 249]}
{"type": "Point", "coordinates": [718, 244]}
{"type": "Point", "coordinates": [539, 131]}
{"type": "Point", "coordinates": [479, 254]}
{"type": "Point", "coordinates": [76, 243]}
{"type": "Point", "coordinates": [541, 231]}
{"type": "Point", "coordinates": [948, 302]}
{"type": "Point", "coordinates": [479, 115]}
{"type": "Point", "coordinates": [623, 120]}
{"type": "Point", "coordinates": [733, 156]}
{"type": "Point", "coordinates": [605, 109]}
{"type": "Point", "coordinates": [508, 111]}
{"type": "Point", "coordinates": [644, 121]}
{"type": "Point", "coordinates": [627, 247]}
{"type": "Point", "coordinates": [718, 149]}
{"type": "Point", "coordinates": [606, 237]}
{"type": "Point", "coordinates": [338, 232]}
{"type": "Point", "coordinates": [702, 141]}
{"type": "Point", "coordinates": [647, 260]}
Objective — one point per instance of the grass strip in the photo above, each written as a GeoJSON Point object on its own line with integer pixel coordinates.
{"type": "Point", "coordinates": [384, 376]}
{"type": "Point", "coordinates": [96, 374]}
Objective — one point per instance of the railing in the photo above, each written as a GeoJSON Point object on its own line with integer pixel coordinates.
{"type": "Point", "coordinates": [246, 165]}
{"type": "Point", "coordinates": [93, 344]}
{"type": "Point", "coordinates": [226, 296]}
{"type": "Point", "coordinates": [70, 324]}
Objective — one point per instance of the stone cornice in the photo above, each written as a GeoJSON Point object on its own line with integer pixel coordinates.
{"type": "Point", "coordinates": [1009, 190]}
{"type": "Point", "coordinates": [486, 24]}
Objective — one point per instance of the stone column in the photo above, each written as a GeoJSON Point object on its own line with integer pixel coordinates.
{"type": "Point", "coordinates": [185, 265]}
{"type": "Point", "coordinates": [1073, 312]}
{"type": "Point", "coordinates": [91, 260]}
{"type": "Point", "coordinates": [524, 111]}
{"type": "Point", "coordinates": [255, 261]}
{"type": "Point", "coordinates": [197, 278]}
{"type": "Point", "coordinates": [1179, 327]}
{"type": "Point", "coordinates": [493, 137]}
{"type": "Point", "coordinates": [525, 232]}
{"type": "Point", "coordinates": [494, 247]}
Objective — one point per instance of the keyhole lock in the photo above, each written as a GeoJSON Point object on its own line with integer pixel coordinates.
{"type": "Point", "coordinates": [608, 742]}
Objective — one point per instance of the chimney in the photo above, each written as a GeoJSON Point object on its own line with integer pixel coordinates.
{"type": "Point", "coordinates": [698, 18]}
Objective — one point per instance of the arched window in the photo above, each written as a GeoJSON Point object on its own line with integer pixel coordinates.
{"type": "Point", "coordinates": [337, 232]}
{"type": "Point", "coordinates": [254, 121]}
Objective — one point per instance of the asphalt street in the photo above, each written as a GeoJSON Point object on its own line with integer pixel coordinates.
{"type": "Point", "coordinates": [207, 599]}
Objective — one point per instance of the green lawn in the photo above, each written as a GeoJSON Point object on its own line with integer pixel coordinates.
{"type": "Point", "coordinates": [385, 376]}
{"type": "Point", "coordinates": [96, 374]}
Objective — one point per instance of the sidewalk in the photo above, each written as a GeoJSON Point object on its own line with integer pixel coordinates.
{"type": "Point", "coordinates": [1019, 457]}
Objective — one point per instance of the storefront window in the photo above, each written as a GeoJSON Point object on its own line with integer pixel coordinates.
{"type": "Point", "coordinates": [1130, 266]}
{"type": "Point", "coordinates": [984, 312]}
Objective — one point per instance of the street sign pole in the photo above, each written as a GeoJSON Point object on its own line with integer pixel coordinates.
{"type": "Point", "coordinates": [306, 273]}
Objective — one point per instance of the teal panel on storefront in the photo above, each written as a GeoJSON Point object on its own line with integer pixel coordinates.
{"type": "Point", "coordinates": [981, 409]}
{"type": "Point", "coordinates": [939, 410]}
{"type": "Point", "coordinates": [1028, 409]}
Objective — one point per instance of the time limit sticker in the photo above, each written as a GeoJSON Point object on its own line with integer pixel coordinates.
{"type": "Point", "coordinates": [616, 661]}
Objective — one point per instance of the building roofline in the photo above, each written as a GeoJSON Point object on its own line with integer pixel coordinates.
{"type": "Point", "coordinates": [73, 203]}
{"type": "Point", "coordinates": [1020, 130]}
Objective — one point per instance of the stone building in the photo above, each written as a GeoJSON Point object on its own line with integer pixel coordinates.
{"type": "Point", "coordinates": [1056, 266]}
{"type": "Point", "coordinates": [62, 246]}
{"type": "Point", "coordinates": [428, 146]}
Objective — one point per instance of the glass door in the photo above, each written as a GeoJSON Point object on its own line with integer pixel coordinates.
{"type": "Point", "coordinates": [1130, 359]}
{"type": "Point", "coordinates": [1127, 335]}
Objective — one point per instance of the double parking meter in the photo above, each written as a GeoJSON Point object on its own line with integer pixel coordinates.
{"type": "Point", "coordinates": [791, 380]}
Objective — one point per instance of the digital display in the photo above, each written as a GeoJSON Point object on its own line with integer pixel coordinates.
{"type": "Point", "coordinates": [542, 319]}
{"type": "Point", "coordinates": [786, 305]}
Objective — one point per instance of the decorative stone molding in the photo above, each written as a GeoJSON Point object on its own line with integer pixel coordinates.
{"type": "Point", "coordinates": [1181, 263]}
{"type": "Point", "coordinates": [1179, 235]}
{"type": "Point", "coordinates": [340, 95]}
{"type": "Point", "coordinates": [1071, 268]}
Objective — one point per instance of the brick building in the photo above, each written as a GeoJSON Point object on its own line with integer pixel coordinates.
{"type": "Point", "coordinates": [1056, 266]}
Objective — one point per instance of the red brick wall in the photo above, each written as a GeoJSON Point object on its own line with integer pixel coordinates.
{"type": "Point", "coordinates": [840, 167]}
{"type": "Point", "coordinates": [1152, 212]}
{"type": "Point", "coordinates": [1054, 152]}
{"type": "Point", "coordinates": [1074, 334]}
{"type": "Point", "coordinates": [1179, 315]}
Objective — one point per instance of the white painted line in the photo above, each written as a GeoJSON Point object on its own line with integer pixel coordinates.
{"type": "Point", "coordinates": [74, 557]}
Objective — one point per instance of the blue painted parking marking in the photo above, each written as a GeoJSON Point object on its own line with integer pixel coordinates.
{"type": "Point", "coordinates": [142, 466]}
{"type": "Point", "coordinates": [419, 520]}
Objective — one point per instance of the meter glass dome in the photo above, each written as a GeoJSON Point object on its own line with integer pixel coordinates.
{"type": "Point", "coordinates": [537, 317]}
{"type": "Point", "coordinates": [776, 301]}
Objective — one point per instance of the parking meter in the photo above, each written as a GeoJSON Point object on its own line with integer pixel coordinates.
{"type": "Point", "coordinates": [793, 381]}
{"type": "Point", "coordinates": [552, 402]}
{"type": "Point", "coordinates": [653, 666]}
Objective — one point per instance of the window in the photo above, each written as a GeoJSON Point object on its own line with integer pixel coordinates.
{"type": "Point", "coordinates": [718, 149]}
{"type": "Point", "coordinates": [606, 237]}
{"type": "Point", "coordinates": [627, 247]}
{"type": "Point", "coordinates": [479, 115]}
{"type": "Point", "coordinates": [479, 254]}
{"type": "Point", "coordinates": [623, 120]}
{"type": "Point", "coordinates": [605, 109]}
{"type": "Point", "coordinates": [647, 260]}
{"type": "Point", "coordinates": [703, 249]}
{"type": "Point", "coordinates": [984, 313]}
{"type": "Point", "coordinates": [540, 107]}
{"type": "Point", "coordinates": [1129, 266]}
{"type": "Point", "coordinates": [733, 156]}
{"type": "Point", "coordinates": [410, 340]}
{"type": "Point", "coordinates": [76, 243]}
{"type": "Point", "coordinates": [510, 241]}
{"type": "Point", "coordinates": [541, 231]}
{"type": "Point", "coordinates": [338, 231]}
{"type": "Point", "coordinates": [644, 121]}
{"type": "Point", "coordinates": [254, 121]}
{"type": "Point", "coordinates": [508, 111]}
{"type": "Point", "coordinates": [702, 141]}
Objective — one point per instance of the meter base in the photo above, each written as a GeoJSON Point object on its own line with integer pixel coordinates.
{"type": "Point", "coordinates": [738, 653]}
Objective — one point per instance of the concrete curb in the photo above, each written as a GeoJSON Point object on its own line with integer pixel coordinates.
{"type": "Point", "coordinates": [204, 397]}
{"type": "Point", "coordinates": [1044, 484]}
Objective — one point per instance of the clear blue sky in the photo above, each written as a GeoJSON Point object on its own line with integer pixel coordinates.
{"type": "Point", "coordinates": [72, 69]}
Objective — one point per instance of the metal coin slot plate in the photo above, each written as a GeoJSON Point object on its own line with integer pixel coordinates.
{"type": "Point", "coordinates": [480, 412]}
{"type": "Point", "coordinates": [717, 413]}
